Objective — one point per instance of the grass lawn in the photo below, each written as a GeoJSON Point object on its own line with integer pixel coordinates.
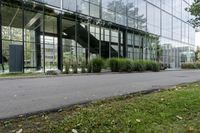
{"type": "Point", "coordinates": [13, 75]}
{"type": "Point", "coordinates": [176, 110]}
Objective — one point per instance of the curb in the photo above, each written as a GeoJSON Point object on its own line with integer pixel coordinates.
{"type": "Point", "coordinates": [69, 75]}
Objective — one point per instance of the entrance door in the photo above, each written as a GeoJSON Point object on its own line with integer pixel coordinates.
{"type": "Point", "coordinates": [16, 58]}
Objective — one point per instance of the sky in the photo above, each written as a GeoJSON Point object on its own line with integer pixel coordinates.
{"type": "Point", "coordinates": [197, 39]}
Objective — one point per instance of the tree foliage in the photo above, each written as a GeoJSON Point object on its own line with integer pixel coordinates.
{"type": "Point", "coordinates": [194, 9]}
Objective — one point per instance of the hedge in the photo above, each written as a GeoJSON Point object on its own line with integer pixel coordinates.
{"type": "Point", "coordinates": [127, 65]}
{"type": "Point", "coordinates": [195, 65]}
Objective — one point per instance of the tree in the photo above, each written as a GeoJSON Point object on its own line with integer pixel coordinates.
{"type": "Point", "coordinates": [194, 9]}
{"type": "Point", "coordinates": [197, 55]}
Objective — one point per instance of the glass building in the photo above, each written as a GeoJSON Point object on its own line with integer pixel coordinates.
{"type": "Point", "coordinates": [43, 35]}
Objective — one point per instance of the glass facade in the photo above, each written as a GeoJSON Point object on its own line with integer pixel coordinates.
{"type": "Point", "coordinates": [54, 32]}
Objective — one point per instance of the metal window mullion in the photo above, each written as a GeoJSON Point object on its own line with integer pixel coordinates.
{"type": "Point", "coordinates": [76, 39]}
{"type": "Point", "coordinates": [88, 40]}
{"type": "Point", "coordinates": [100, 40]}
{"type": "Point", "coordinates": [23, 25]}
{"type": "Point", "coordinates": [119, 40]}
{"type": "Point", "coordinates": [133, 43]}
{"type": "Point", "coordinates": [100, 9]}
{"type": "Point", "coordinates": [110, 34]}
{"type": "Point", "coordinates": [43, 21]}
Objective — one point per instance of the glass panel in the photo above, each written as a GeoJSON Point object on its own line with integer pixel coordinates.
{"type": "Point", "coordinates": [153, 19]}
{"type": "Point", "coordinates": [33, 33]}
{"type": "Point", "coordinates": [155, 2]}
{"type": "Point", "coordinates": [94, 10]}
{"type": "Point", "coordinates": [83, 7]}
{"type": "Point", "coordinates": [55, 3]}
{"type": "Point", "coordinates": [108, 15]}
{"type": "Point", "coordinates": [167, 5]}
{"type": "Point", "coordinates": [51, 42]}
{"type": "Point", "coordinates": [177, 8]}
{"type": "Point", "coordinates": [69, 5]}
{"type": "Point", "coordinates": [11, 29]}
{"type": "Point", "coordinates": [166, 25]}
{"type": "Point", "coordinates": [176, 29]}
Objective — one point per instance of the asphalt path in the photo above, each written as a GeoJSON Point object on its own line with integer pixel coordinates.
{"type": "Point", "coordinates": [24, 96]}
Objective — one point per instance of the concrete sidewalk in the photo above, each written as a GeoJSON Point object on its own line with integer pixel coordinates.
{"type": "Point", "coordinates": [22, 96]}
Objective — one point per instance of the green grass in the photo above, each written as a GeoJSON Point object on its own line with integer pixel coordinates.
{"type": "Point", "coordinates": [176, 110]}
{"type": "Point", "coordinates": [10, 75]}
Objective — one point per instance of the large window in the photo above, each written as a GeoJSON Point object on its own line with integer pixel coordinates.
{"type": "Point", "coordinates": [176, 29]}
{"type": "Point", "coordinates": [94, 10]}
{"type": "Point", "coordinates": [11, 30]}
{"type": "Point", "coordinates": [83, 7]}
{"type": "Point", "coordinates": [185, 14]}
{"type": "Point", "coordinates": [69, 5]}
{"type": "Point", "coordinates": [153, 19]}
{"type": "Point", "coordinates": [191, 35]}
{"type": "Point", "coordinates": [185, 30]}
{"type": "Point", "coordinates": [166, 25]}
{"type": "Point", "coordinates": [51, 42]}
{"type": "Point", "coordinates": [141, 5]}
{"type": "Point", "coordinates": [55, 3]}
{"type": "Point", "coordinates": [155, 2]}
{"type": "Point", "coordinates": [167, 5]}
{"type": "Point", "coordinates": [177, 8]}
{"type": "Point", "coordinates": [33, 33]}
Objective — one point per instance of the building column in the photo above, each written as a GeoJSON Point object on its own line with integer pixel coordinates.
{"type": "Point", "coordinates": [125, 43]}
{"type": "Point", "coordinates": [60, 47]}
{"type": "Point", "coordinates": [38, 46]}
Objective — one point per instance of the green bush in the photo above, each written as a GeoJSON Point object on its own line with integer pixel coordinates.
{"type": "Point", "coordinates": [139, 66]}
{"type": "Point", "coordinates": [83, 67]}
{"type": "Point", "coordinates": [75, 67]}
{"type": "Point", "coordinates": [188, 66]}
{"type": "Point", "coordinates": [114, 64]}
{"type": "Point", "coordinates": [125, 65]}
{"type": "Point", "coordinates": [97, 65]}
{"type": "Point", "coordinates": [67, 67]}
{"type": "Point", "coordinates": [148, 65]}
{"type": "Point", "coordinates": [197, 65]}
{"type": "Point", "coordinates": [152, 66]}
{"type": "Point", "coordinates": [89, 67]}
{"type": "Point", "coordinates": [155, 67]}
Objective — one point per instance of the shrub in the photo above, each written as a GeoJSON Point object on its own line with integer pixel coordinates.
{"type": "Point", "coordinates": [197, 65]}
{"type": "Point", "coordinates": [129, 66]}
{"type": "Point", "coordinates": [97, 65]}
{"type": "Point", "coordinates": [139, 66]}
{"type": "Point", "coordinates": [75, 67]}
{"type": "Point", "coordinates": [155, 67]}
{"type": "Point", "coordinates": [188, 66]}
{"type": "Point", "coordinates": [122, 65]}
{"type": "Point", "coordinates": [89, 67]}
{"type": "Point", "coordinates": [67, 67]}
{"type": "Point", "coordinates": [152, 66]}
{"type": "Point", "coordinates": [148, 65]}
{"type": "Point", "coordinates": [125, 65]}
{"type": "Point", "coordinates": [83, 67]}
{"type": "Point", "coordinates": [114, 64]}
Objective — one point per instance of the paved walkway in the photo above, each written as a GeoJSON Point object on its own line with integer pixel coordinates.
{"type": "Point", "coordinates": [23, 96]}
